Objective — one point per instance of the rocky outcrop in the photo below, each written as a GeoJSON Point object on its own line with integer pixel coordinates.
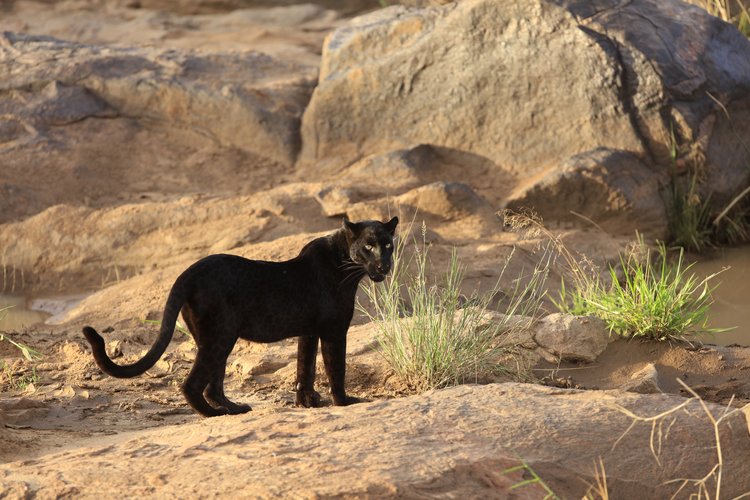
{"type": "Point", "coordinates": [613, 189]}
{"type": "Point", "coordinates": [92, 248]}
{"type": "Point", "coordinates": [529, 85]}
{"type": "Point", "coordinates": [456, 442]}
{"type": "Point", "coordinates": [255, 105]}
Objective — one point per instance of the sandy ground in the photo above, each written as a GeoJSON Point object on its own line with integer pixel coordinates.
{"type": "Point", "coordinates": [246, 205]}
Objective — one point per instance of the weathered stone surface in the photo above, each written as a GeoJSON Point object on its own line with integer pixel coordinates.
{"type": "Point", "coordinates": [572, 338]}
{"type": "Point", "coordinates": [335, 200]}
{"type": "Point", "coordinates": [286, 31]}
{"type": "Point", "coordinates": [434, 203]}
{"type": "Point", "coordinates": [530, 84]}
{"type": "Point", "coordinates": [393, 172]}
{"type": "Point", "coordinates": [397, 171]}
{"type": "Point", "coordinates": [676, 61]}
{"type": "Point", "coordinates": [613, 189]}
{"type": "Point", "coordinates": [383, 76]}
{"type": "Point", "coordinates": [256, 105]}
{"type": "Point", "coordinates": [456, 442]}
{"type": "Point", "coordinates": [644, 381]}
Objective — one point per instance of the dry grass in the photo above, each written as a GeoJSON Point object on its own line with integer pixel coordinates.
{"type": "Point", "coordinates": [709, 486]}
{"type": "Point", "coordinates": [736, 12]}
{"type": "Point", "coordinates": [433, 336]}
{"type": "Point", "coordinates": [706, 487]}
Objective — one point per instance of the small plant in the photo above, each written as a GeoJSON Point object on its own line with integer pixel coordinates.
{"type": "Point", "coordinates": [432, 335]}
{"type": "Point", "coordinates": [535, 479]}
{"type": "Point", "coordinates": [19, 383]}
{"type": "Point", "coordinates": [31, 354]}
{"type": "Point", "coordinates": [178, 326]}
{"type": "Point", "coordinates": [27, 352]}
{"type": "Point", "coordinates": [690, 216]}
{"type": "Point", "coordinates": [648, 297]}
{"type": "Point", "coordinates": [657, 300]}
{"type": "Point", "coordinates": [599, 490]}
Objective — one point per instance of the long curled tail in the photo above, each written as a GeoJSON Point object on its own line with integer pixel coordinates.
{"type": "Point", "coordinates": [105, 363]}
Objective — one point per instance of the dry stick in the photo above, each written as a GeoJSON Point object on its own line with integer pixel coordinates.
{"type": "Point", "coordinates": [747, 189]}
{"type": "Point", "coordinates": [731, 205]}
{"type": "Point", "coordinates": [743, 10]}
{"type": "Point", "coordinates": [589, 220]}
{"type": "Point", "coordinates": [659, 437]}
{"type": "Point", "coordinates": [600, 475]}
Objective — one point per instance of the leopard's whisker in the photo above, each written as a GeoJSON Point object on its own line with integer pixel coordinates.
{"type": "Point", "coordinates": [353, 276]}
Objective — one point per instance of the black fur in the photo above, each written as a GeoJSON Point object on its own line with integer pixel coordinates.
{"type": "Point", "coordinates": [226, 297]}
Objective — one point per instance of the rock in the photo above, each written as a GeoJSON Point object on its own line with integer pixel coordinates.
{"type": "Point", "coordinates": [435, 203]}
{"type": "Point", "coordinates": [335, 200]}
{"type": "Point", "coordinates": [97, 125]}
{"type": "Point", "coordinates": [395, 172]}
{"type": "Point", "coordinates": [447, 201]}
{"type": "Point", "coordinates": [644, 381]}
{"type": "Point", "coordinates": [392, 172]}
{"type": "Point", "coordinates": [256, 105]}
{"type": "Point", "coordinates": [671, 85]}
{"type": "Point", "coordinates": [453, 442]}
{"type": "Point", "coordinates": [571, 338]}
{"type": "Point", "coordinates": [529, 85]}
{"type": "Point", "coordinates": [502, 95]}
{"type": "Point", "coordinates": [613, 189]}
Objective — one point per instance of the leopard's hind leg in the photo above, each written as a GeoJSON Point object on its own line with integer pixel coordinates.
{"type": "Point", "coordinates": [197, 382]}
{"type": "Point", "coordinates": [214, 392]}
{"type": "Point", "coordinates": [204, 386]}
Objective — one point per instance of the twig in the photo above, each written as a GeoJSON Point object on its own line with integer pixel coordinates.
{"type": "Point", "coordinates": [731, 205]}
{"type": "Point", "coordinates": [747, 150]}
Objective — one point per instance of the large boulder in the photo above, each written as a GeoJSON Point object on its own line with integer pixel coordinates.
{"type": "Point", "coordinates": [245, 99]}
{"type": "Point", "coordinates": [529, 85]}
{"type": "Point", "coordinates": [99, 125]}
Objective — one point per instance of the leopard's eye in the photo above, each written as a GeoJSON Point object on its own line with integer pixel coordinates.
{"type": "Point", "coordinates": [388, 245]}
{"type": "Point", "coordinates": [368, 248]}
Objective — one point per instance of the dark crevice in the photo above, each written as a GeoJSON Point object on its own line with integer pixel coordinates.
{"type": "Point", "coordinates": [626, 86]}
{"type": "Point", "coordinates": [588, 10]}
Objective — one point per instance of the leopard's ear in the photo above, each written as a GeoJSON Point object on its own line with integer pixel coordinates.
{"type": "Point", "coordinates": [391, 225]}
{"type": "Point", "coordinates": [352, 228]}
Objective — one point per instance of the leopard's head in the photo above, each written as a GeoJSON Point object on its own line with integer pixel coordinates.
{"type": "Point", "coordinates": [371, 245]}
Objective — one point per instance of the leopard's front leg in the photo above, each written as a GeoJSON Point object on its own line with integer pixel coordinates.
{"type": "Point", "coordinates": [334, 359]}
{"type": "Point", "coordinates": [307, 351]}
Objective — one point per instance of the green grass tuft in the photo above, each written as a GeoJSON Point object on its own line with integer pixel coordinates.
{"type": "Point", "coordinates": [689, 216]}
{"type": "Point", "coordinates": [659, 300]}
{"type": "Point", "coordinates": [18, 383]}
